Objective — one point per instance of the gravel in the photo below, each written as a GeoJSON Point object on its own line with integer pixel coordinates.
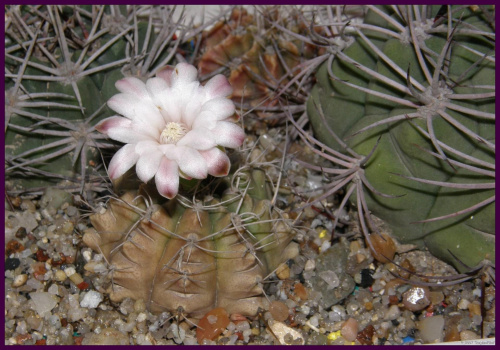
{"type": "Point", "coordinates": [55, 291]}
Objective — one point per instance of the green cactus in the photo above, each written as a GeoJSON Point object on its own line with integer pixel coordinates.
{"type": "Point", "coordinates": [415, 92]}
{"type": "Point", "coordinates": [61, 66]}
{"type": "Point", "coordinates": [195, 255]}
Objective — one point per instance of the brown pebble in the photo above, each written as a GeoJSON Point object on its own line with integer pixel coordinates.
{"type": "Point", "coordinates": [384, 246]}
{"type": "Point", "coordinates": [283, 272]}
{"type": "Point", "coordinates": [21, 233]}
{"type": "Point", "coordinates": [416, 298]}
{"type": "Point", "coordinates": [368, 306]}
{"type": "Point", "coordinates": [474, 308]}
{"type": "Point", "coordinates": [13, 246]}
{"type": "Point", "coordinates": [452, 334]}
{"type": "Point", "coordinates": [300, 291]}
{"type": "Point", "coordinates": [393, 300]}
{"type": "Point", "coordinates": [406, 269]}
{"type": "Point", "coordinates": [212, 324]}
{"type": "Point", "coordinates": [436, 297]}
{"type": "Point", "coordinates": [349, 329]}
{"type": "Point", "coordinates": [366, 335]}
{"type": "Point", "coordinates": [278, 310]}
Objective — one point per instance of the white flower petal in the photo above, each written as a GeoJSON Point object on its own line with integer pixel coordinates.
{"type": "Point", "coordinates": [217, 162]}
{"type": "Point", "coordinates": [228, 134]}
{"type": "Point", "coordinates": [122, 161]}
{"type": "Point", "coordinates": [132, 85]}
{"type": "Point", "coordinates": [156, 88]}
{"type": "Point", "coordinates": [200, 139]}
{"type": "Point", "coordinates": [167, 178]}
{"type": "Point", "coordinates": [184, 73]}
{"type": "Point", "coordinates": [221, 108]}
{"type": "Point", "coordinates": [218, 86]}
{"type": "Point", "coordinates": [148, 164]}
{"type": "Point", "coordinates": [123, 130]}
{"type": "Point", "coordinates": [192, 163]}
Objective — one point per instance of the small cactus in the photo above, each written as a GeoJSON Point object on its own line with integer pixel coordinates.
{"type": "Point", "coordinates": [260, 55]}
{"type": "Point", "coordinates": [414, 92]}
{"type": "Point", "coordinates": [194, 255]}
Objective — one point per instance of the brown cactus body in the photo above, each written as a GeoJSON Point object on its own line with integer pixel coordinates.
{"type": "Point", "coordinates": [172, 256]}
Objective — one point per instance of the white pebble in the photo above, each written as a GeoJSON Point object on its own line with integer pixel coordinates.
{"type": "Point", "coordinates": [19, 280]}
{"type": "Point", "coordinates": [53, 289]}
{"type": "Point", "coordinates": [310, 265]}
{"type": "Point", "coordinates": [392, 313]}
{"type": "Point", "coordinates": [69, 271]}
{"type": "Point", "coordinates": [43, 302]}
{"type": "Point", "coordinates": [91, 299]}
{"type": "Point", "coordinates": [432, 329]}
{"type": "Point", "coordinates": [463, 304]}
{"type": "Point", "coordinates": [331, 278]}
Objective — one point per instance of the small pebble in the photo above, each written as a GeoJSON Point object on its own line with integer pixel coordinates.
{"type": "Point", "coordinates": [60, 276]}
{"type": "Point", "coordinates": [392, 313]}
{"type": "Point", "coordinates": [11, 264]}
{"type": "Point", "coordinates": [431, 329]}
{"type": "Point", "coordinates": [91, 299]}
{"type": "Point", "coordinates": [208, 328]}
{"type": "Point", "coordinates": [416, 298]}
{"type": "Point", "coordinates": [278, 310]}
{"type": "Point", "coordinates": [286, 335]}
{"type": "Point", "coordinates": [310, 265]}
{"type": "Point", "coordinates": [474, 308]}
{"type": "Point", "coordinates": [468, 335]}
{"type": "Point", "coordinates": [19, 280]}
{"type": "Point", "coordinates": [283, 272]}
{"type": "Point", "coordinates": [463, 304]}
{"type": "Point", "coordinates": [349, 329]}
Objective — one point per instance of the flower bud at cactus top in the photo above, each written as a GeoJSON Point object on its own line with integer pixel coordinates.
{"type": "Point", "coordinates": [197, 258]}
{"type": "Point", "coordinates": [426, 87]}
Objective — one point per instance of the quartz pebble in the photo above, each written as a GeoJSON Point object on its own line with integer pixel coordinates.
{"type": "Point", "coordinates": [283, 272]}
{"type": "Point", "coordinates": [91, 299]}
{"type": "Point", "coordinates": [43, 302]}
{"type": "Point", "coordinates": [285, 334]}
{"type": "Point", "coordinates": [432, 329]}
{"type": "Point", "coordinates": [349, 329]}
{"type": "Point", "coordinates": [19, 280]}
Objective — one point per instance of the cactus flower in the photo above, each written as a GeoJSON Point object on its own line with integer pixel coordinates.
{"type": "Point", "coordinates": [172, 127]}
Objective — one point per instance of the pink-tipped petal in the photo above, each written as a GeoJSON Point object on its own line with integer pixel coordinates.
{"type": "Point", "coordinates": [200, 139]}
{"type": "Point", "coordinates": [228, 134]}
{"type": "Point", "coordinates": [132, 85]}
{"type": "Point", "coordinates": [167, 178]}
{"type": "Point", "coordinates": [165, 73]}
{"type": "Point", "coordinates": [123, 130]}
{"type": "Point", "coordinates": [192, 163]}
{"type": "Point", "coordinates": [141, 111]}
{"type": "Point", "coordinates": [122, 161]}
{"type": "Point", "coordinates": [184, 73]}
{"type": "Point", "coordinates": [148, 164]}
{"type": "Point", "coordinates": [221, 108]}
{"type": "Point", "coordinates": [218, 86]}
{"type": "Point", "coordinates": [217, 162]}
{"type": "Point", "coordinates": [112, 122]}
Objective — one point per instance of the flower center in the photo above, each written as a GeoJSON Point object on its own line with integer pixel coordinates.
{"type": "Point", "coordinates": [173, 132]}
